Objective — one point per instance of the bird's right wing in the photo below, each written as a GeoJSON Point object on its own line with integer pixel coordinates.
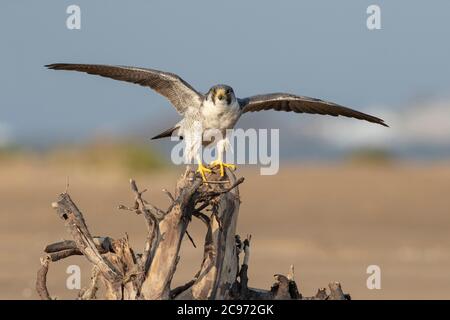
{"type": "Point", "coordinates": [300, 104]}
{"type": "Point", "coordinates": [179, 92]}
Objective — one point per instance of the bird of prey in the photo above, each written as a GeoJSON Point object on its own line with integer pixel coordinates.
{"type": "Point", "coordinates": [218, 109]}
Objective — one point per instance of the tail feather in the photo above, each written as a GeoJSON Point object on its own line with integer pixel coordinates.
{"type": "Point", "coordinates": [166, 133]}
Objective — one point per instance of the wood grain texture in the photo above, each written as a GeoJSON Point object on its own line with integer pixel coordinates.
{"type": "Point", "coordinates": [127, 275]}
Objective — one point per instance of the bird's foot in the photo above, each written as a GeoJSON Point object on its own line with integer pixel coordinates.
{"type": "Point", "coordinates": [222, 166]}
{"type": "Point", "coordinates": [202, 170]}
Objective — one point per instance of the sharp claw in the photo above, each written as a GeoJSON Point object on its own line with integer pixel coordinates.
{"type": "Point", "coordinates": [202, 169]}
{"type": "Point", "coordinates": [222, 166]}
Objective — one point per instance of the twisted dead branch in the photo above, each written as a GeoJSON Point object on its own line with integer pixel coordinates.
{"type": "Point", "coordinates": [128, 275]}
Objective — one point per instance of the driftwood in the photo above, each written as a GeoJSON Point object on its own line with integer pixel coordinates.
{"type": "Point", "coordinates": [128, 275]}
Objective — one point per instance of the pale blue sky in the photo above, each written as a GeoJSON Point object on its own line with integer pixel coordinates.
{"type": "Point", "coordinates": [317, 48]}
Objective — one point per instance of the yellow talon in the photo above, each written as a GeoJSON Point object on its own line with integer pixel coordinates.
{"type": "Point", "coordinates": [222, 165]}
{"type": "Point", "coordinates": [202, 169]}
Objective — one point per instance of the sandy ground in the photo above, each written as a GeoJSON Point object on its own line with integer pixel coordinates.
{"type": "Point", "coordinates": [330, 221]}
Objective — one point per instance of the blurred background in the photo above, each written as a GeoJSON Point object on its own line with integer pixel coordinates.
{"type": "Point", "coordinates": [349, 194]}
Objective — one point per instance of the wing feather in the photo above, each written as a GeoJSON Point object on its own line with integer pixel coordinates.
{"type": "Point", "coordinates": [176, 90]}
{"type": "Point", "coordinates": [300, 104]}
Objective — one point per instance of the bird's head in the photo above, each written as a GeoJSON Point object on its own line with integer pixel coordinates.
{"type": "Point", "coordinates": [221, 94]}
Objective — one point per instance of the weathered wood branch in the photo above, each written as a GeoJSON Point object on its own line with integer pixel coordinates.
{"type": "Point", "coordinates": [89, 293]}
{"type": "Point", "coordinates": [41, 279]}
{"type": "Point", "coordinates": [125, 274]}
{"type": "Point", "coordinates": [76, 225]}
{"type": "Point", "coordinates": [220, 260]}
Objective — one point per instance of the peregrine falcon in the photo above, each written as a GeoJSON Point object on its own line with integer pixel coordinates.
{"type": "Point", "coordinates": [218, 109]}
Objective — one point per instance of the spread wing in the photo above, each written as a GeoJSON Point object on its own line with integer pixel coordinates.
{"type": "Point", "coordinates": [171, 86]}
{"type": "Point", "coordinates": [299, 104]}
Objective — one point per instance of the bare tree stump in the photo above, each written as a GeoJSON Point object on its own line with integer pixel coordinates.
{"type": "Point", "coordinates": [127, 275]}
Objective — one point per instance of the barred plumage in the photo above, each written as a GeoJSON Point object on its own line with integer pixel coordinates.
{"type": "Point", "coordinates": [218, 109]}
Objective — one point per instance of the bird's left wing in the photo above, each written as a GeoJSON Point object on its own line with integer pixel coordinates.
{"type": "Point", "coordinates": [289, 102]}
{"type": "Point", "coordinates": [179, 92]}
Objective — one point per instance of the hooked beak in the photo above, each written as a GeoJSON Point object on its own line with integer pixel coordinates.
{"type": "Point", "coordinates": [220, 94]}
